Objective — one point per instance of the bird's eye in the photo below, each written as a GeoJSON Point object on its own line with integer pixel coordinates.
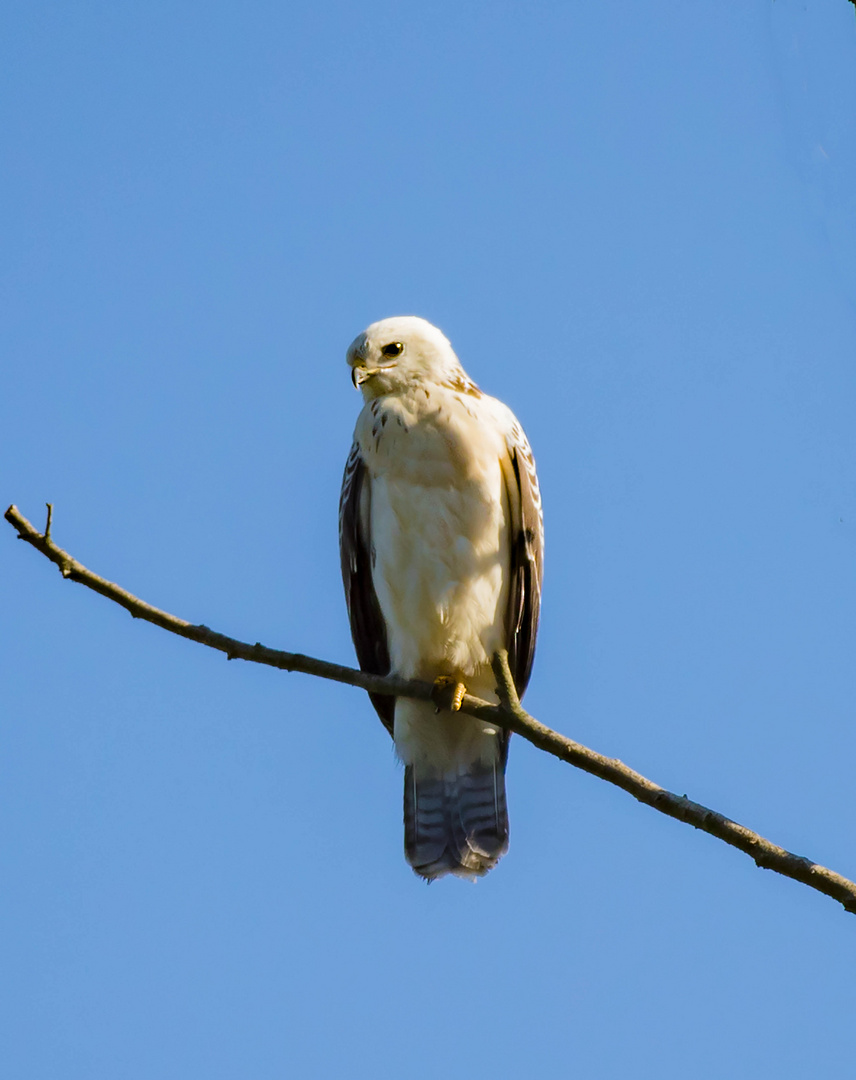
{"type": "Point", "coordinates": [395, 348]}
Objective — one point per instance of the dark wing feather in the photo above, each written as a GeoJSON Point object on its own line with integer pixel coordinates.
{"type": "Point", "coordinates": [527, 558]}
{"type": "Point", "coordinates": [368, 628]}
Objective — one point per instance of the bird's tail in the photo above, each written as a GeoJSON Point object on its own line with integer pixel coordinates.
{"type": "Point", "coordinates": [455, 824]}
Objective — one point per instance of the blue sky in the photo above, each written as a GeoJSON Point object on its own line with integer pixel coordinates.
{"type": "Point", "coordinates": [637, 224]}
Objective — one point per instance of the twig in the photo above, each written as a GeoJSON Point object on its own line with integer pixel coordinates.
{"type": "Point", "coordinates": [508, 714]}
{"type": "Point", "coordinates": [70, 568]}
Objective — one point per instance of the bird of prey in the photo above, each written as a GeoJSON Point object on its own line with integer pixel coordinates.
{"type": "Point", "coordinates": [441, 539]}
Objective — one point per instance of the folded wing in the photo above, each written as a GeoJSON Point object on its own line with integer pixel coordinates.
{"type": "Point", "coordinates": [368, 628]}
{"type": "Point", "coordinates": [526, 565]}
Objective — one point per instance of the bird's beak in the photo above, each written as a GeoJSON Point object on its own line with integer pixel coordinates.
{"type": "Point", "coordinates": [359, 374]}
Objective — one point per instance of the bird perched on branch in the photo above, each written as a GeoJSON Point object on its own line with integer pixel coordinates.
{"type": "Point", "coordinates": [441, 539]}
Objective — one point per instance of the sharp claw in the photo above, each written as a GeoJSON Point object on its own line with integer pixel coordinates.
{"type": "Point", "coordinates": [448, 693]}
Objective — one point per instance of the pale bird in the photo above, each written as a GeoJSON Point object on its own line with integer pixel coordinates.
{"type": "Point", "coordinates": [441, 538]}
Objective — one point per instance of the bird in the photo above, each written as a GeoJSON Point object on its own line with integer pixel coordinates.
{"type": "Point", "coordinates": [441, 540]}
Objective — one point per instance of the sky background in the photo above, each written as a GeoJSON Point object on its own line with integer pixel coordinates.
{"type": "Point", "coordinates": [637, 224]}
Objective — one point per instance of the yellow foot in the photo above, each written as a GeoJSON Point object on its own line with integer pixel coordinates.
{"type": "Point", "coordinates": [448, 693]}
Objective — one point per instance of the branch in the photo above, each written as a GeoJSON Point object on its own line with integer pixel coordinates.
{"type": "Point", "coordinates": [508, 714]}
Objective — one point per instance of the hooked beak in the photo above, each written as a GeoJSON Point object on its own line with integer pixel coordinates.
{"type": "Point", "coordinates": [359, 374]}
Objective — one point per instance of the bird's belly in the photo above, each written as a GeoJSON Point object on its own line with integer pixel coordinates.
{"type": "Point", "coordinates": [440, 565]}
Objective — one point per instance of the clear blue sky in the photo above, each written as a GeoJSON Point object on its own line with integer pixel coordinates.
{"type": "Point", "coordinates": [637, 224]}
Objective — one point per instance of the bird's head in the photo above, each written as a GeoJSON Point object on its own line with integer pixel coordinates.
{"type": "Point", "coordinates": [394, 354]}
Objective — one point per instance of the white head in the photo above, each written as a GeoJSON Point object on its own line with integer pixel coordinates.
{"type": "Point", "coordinates": [396, 353]}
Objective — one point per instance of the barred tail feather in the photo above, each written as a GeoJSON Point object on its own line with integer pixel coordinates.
{"type": "Point", "coordinates": [455, 824]}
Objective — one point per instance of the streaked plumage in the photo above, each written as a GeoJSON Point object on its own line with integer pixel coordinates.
{"type": "Point", "coordinates": [441, 539]}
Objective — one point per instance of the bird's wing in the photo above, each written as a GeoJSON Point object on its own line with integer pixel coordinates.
{"type": "Point", "coordinates": [368, 628]}
{"type": "Point", "coordinates": [526, 566]}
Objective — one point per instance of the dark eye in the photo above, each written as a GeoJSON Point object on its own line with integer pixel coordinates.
{"type": "Point", "coordinates": [395, 348]}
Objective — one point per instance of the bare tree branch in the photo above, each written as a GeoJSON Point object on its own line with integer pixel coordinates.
{"type": "Point", "coordinates": [508, 714]}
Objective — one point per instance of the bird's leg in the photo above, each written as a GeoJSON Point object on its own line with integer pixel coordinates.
{"type": "Point", "coordinates": [448, 693]}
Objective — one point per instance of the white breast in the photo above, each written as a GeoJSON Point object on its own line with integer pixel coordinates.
{"type": "Point", "coordinates": [439, 528]}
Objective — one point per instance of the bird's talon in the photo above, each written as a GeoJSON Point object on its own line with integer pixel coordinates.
{"type": "Point", "coordinates": [448, 693]}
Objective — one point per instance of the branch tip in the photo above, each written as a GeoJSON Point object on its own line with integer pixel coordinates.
{"type": "Point", "coordinates": [505, 688]}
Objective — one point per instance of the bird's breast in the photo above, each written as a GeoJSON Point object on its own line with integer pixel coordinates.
{"type": "Point", "coordinates": [439, 529]}
{"type": "Point", "coordinates": [431, 438]}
